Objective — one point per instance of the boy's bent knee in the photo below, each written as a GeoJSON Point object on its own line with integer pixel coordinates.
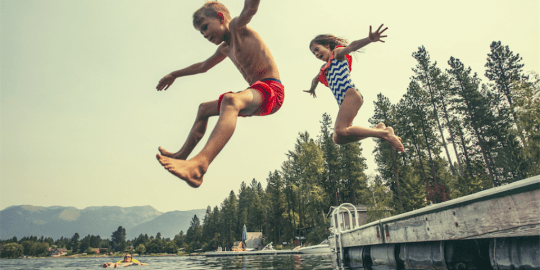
{"type": "Point", "coordinates": [338, 136]}
{"type": "Point", "coordinates": [230, 99]}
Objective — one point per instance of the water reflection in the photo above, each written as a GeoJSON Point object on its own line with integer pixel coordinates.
{"type": "Point", "coordinates": [303, 262]}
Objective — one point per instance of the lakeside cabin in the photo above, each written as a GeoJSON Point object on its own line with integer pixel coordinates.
{"type": "Point", "coordinates": [57, 252]}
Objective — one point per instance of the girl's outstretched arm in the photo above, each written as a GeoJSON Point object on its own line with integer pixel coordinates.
{"type": "Point", "coordinates": [357, 44]}
{"type": "Point", "coordinates": [314, 84]}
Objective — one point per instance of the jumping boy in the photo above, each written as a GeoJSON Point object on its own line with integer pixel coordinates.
{"type": "Point", "coordinates": [253, 59]}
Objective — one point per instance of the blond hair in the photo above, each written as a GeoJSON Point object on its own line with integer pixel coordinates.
{"type": "Point", "coordinates": [208, 10]}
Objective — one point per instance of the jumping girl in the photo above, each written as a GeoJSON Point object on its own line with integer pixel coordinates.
{"type": "Point", "coordinates": [335, 75]}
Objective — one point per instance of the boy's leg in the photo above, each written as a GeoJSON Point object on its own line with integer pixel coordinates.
{"type": "Point", "coordinates": [345, 133]}
{"type": "Point", "coordinates": [206, 110]}
{"type": "Point", "coordinates": [247, 102]}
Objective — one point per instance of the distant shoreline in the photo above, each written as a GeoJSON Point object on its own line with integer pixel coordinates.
{"type": "Point", "coordinates": [102, 256]}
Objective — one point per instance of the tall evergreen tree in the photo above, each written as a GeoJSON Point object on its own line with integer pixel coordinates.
{"type": "Point", "coordinates": [527, 108]}
{"type": "Point", "coordinates": [276, 202]}
{"type": "Point", "coordinates": [504, 69]}
{"type": "Point", "coordinates": [229, 229]}
{"type": "Point", "coordinates": [473, 108]}
{"type": "Point", "coordinates": [118, 239]}
{"type": "Point", "coordinates": [429, 75]}
{"type": "Point", "coordinates": [194, 234]}
{"type": "Point", "coordinates": [352, 170]}
{"type": "Point", "coordinates": [385, 155]}
{"type": "Point", "coordinates": [332, 163]}
{"type": "Point", "coordinates": [255, 210]}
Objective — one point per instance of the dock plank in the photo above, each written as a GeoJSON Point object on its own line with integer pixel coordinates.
{"type": "Point", "coordinates": [508, 211]}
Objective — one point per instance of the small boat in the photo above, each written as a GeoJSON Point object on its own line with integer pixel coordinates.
{"type": "Point", "coordinates": [323, 247]}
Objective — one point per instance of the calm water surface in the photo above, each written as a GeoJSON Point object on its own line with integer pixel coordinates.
{"type": "Point", "coordinates": [306, 262]}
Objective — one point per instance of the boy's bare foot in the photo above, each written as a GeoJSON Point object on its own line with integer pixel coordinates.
{"type": "Point", "coordinates": [394, 140]}
{"type": "Point", "coordinates": [188, 170]}
{"type": "Point", "coordinates": [169, 154]}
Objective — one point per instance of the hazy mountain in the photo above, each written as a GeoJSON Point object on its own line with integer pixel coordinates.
{"type": "Point", "coordinates": [58, 221]}
{"type": "Point", "coordinates": [168, 224]}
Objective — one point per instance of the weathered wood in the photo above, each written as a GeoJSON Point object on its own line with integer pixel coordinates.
{"type": "Point", "coordinates": [508, 211]}
{"type": "Point", "coordinates": [366, 236]}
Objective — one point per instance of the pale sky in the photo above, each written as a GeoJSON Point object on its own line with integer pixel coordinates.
{"type": "Point", "coordinates": [81, 119]}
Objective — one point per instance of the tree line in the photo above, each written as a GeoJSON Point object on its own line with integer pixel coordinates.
{"type": "Point", "coordinates": [39, 247]}
{"type": "Point", "coordinates": [460, 135]}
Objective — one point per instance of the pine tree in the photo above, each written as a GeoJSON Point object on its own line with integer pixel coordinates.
{"type": "Point", "coordinates": [331, 173]}
{"type": "Point", "coordinates": [385, 155]}
{"type": "Point", "coordinates": [193, 234]}
{"type": "Point", "coordinates": [527, 108]}
{"type": "Point", "coordinates": [118, 239]}
{"type": "Point", "coordinates": [255, 210]}
{"type": "Point", "coordinates": [505, 71]}
{"type": "Point", "coordinates": [423, 121]}
{"type": "Point", "coordinates": [276, 202]}
{"type": "Point", "coordinates": [352, 171]}
{"type": "Point", "coordinates": [473, 108]}
{"type": "Point", "coordinates": [229, 213]}
{"type": "Point", "coordinates": [430, 76]}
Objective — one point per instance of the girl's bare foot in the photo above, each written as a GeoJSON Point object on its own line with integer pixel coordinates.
{"type": "Point", "coordinates": [190, 171]}
{"type": "Point", "coordinates": [394, 140]}
{"type": "Point", "coordinates": [381, 125]}
{"type": "Point", "coordinates": [170, 154]}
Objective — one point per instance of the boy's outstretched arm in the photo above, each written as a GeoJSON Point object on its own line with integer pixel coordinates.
{"type": "Point", "coordinates": [250, 8]}
{"type": "Point", "coordinates": [357, 44]}
{"type": "Point", "coordinates": [197, 68]}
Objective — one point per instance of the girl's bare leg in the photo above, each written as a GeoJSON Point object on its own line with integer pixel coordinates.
{"type": "Point", "coordinates": [344, 132]}
{"type": "Point", "coordinates": [206, 110]}
{"type": "Point", "coordinates": [192, 171]}
{"type": "Point", "coordinates": [350, 139]}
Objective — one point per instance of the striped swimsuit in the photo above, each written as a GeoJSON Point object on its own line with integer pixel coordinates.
{"type": "Point", "coordinates": [339, 79]}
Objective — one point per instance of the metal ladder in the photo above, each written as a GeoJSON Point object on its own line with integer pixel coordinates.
{"type": "Point", "coordinates": [337, 229]}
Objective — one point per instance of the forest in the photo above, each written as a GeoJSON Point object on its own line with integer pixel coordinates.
{"type": "Point", "coordinates": [462, 134]}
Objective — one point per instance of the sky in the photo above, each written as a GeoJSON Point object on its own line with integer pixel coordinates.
{"type": "Point", "coordinates": [81, 119]}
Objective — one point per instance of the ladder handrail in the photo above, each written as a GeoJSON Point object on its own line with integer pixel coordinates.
{"type": "Point", "coordinates": [338, 231]}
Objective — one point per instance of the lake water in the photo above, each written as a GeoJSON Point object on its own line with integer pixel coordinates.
{"type": "Point", "coordinates": [306, 262]}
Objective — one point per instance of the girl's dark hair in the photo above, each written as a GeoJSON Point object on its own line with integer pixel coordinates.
{"type": "Point", "coordinates": [330, 40]}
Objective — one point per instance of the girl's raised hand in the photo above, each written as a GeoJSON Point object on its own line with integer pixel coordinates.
{"type": "Point", "coordinates": [311, 92]}
{"type": "Point", "coordinates": [374, 37]}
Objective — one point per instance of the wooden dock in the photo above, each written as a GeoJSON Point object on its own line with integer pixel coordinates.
{"type": "Point", "coordinates": [497, 228]}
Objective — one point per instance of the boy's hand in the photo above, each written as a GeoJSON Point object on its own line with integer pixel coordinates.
{"type": "Point", "coordinates": [374, 37]}
{"type": "Point", "coordinates": [311, 92]}
{"type": "Point", "coordinates": [165, 82]}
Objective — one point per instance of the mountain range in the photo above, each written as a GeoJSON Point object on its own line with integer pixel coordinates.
{"type": "Point", "coordinates": [58, 221]}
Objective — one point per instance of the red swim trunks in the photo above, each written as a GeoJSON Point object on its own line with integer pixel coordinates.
{"type": "Point", "coordinates": [272, 92]}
